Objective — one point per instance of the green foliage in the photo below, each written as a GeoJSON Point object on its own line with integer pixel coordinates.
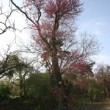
{"type": "Point", "coordinates": [38, 84]}
{"type": "Point", "coordinates": [38, 90]}
{"type": "Point", "coordinates": [4, 91]}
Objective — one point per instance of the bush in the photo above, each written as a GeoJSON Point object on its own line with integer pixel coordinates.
{"type": "Point", "coordinates": [4, 91]}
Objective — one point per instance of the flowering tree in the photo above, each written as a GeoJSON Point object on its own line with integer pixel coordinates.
{"type": "Point", "coordinates": [53, 27]}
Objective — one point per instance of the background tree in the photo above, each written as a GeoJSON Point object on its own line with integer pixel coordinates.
{"type": "Point", "coordinates": [103, 77]}
{"type": "Point", "coordinates": [21, 73]}
{"type": "Point", "coordinates": [15, 69]}
{"type": "Point", "coordinates": [8, 64]}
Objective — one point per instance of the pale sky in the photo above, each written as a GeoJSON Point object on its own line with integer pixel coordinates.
{"type": "Point", "coordinates": [94, 19]}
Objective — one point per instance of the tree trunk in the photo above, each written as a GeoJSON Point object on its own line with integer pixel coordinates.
{"type": "Point", "coordinates": [58, 83]}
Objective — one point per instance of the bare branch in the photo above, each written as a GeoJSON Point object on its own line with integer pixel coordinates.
{"type": "Point", "coordinates": [20, 9]}
{"type": "Point", "coordinates": [6, 23]}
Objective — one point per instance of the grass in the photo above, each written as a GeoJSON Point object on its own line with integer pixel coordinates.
{"type": "Point", "coordinates": [16, 104]}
